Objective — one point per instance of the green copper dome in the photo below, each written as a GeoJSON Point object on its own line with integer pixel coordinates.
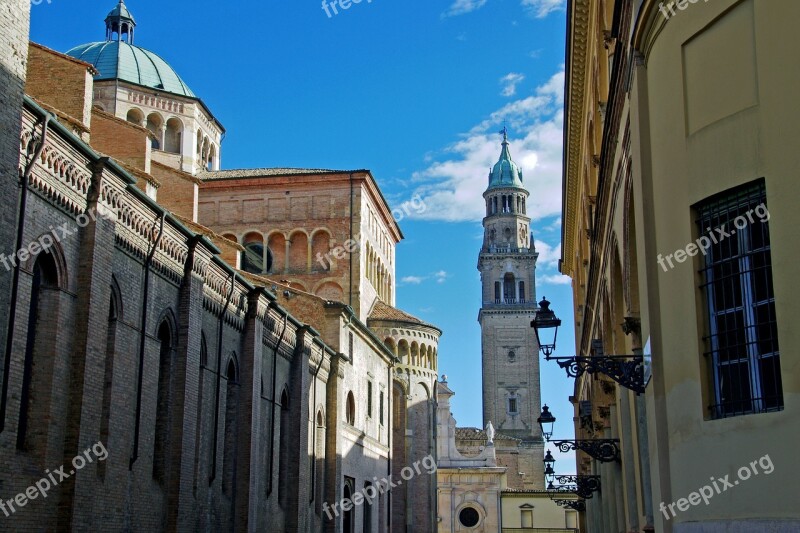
{"type": "Point", "coordinates": [126, 62]}
{"type": "Point", "coordinates": [506, 173]}
{"type": "Point", "coordinates": [118, 59]}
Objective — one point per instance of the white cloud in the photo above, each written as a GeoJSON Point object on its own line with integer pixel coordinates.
{"type": "Point", "coordinates": [542, 8]}
{"type": "Point", "coordinates": [556, 279]}
{"type": "Point", "coordinates": [510, 82]}
{"type": "Point", "coordinates": [439, 277]}
{"type": "Point", "coordinates": [537, 8]}
{"type": "Point", "coordinates": [548, 255]}
{"type": "Point", "coordinates": [460, 7]}
{"type": "Point", "coordinates": [452, 185]}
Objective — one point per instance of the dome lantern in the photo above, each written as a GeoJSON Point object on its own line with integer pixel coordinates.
{"type": "Point", "coordinates": [120, 22]}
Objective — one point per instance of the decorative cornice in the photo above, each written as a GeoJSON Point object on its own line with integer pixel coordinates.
{"type": "Point", "coordinates": [575, 103]}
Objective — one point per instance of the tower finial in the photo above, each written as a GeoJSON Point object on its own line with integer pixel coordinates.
{"type": "Point", "coordinates": [504, 132]}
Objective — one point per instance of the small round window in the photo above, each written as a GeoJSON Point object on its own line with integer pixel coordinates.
{"type": "Point", "coordinates": [469, 517]}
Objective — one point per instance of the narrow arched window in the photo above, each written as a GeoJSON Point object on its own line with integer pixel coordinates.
{"type": "Point", "coordinates": [319, 463]}
{"type": "Point", "coordinates": [105, 416]}
{"type": "Point", "coordinates": [351, 409]}
{"type": "Point", "coordinates": [367, 515]}
{"type": "Point", "coordinates": [508, 288]}
{"type": "Point", "coordinates": [521, 292]}
{"type": "Point", "coordinates": [349, 518]}
{"type": "Point", "coordinates": [162, 402]}
{"type": "Point", "coordinates": [37, 376]}
{"type": "Point", "coordinates": [283, 472]}
{"type": "Point", "coordinates": [229, 447]}
{"type": "Point", "coordinates": [201, 423]}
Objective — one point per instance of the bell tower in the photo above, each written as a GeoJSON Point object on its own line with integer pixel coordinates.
{"type": "Point", "coordinates": [507, 263]}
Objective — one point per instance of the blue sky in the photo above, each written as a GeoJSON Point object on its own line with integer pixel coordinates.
{"type": "Point", "coordinates": [415, 91]}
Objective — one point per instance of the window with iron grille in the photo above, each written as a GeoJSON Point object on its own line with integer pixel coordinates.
{"type": "Point", "coordinates": [380, 406]}
{"type": "Point", "coordinates": [350, 343]}
{"type": "Point", "coordinates": [369, 399]}
{"type": "Point", "coordinates": [741, 333]}
{"type": "Point", "coordinates": [512, 405]}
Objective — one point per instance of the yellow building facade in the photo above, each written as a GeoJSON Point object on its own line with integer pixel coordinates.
{"type": "Point", "coordinates": [678, 233]}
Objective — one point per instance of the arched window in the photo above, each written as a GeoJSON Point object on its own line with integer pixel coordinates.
{"type": "Point", "coordinates": [508, 288]}
{"type": "Point", "coordinates": [173, 136]}
{"type": "Point", "coordinates": [497, 295]}
{"type": "Point", "coordinates": [320, 251]}
{"type": "Point", "coordinates": [212, 157]}
{"type": "Point", "coordinates": [283, 472]}
{"type": "Point", "coordinates": [154, 123]}
{"type": "Point", "coordinates": [298, 252]}
{"type": "Point", "coordinates": [403, 351]}
{"type": "Point", "coordinates": [521, 293]}
{"type": "Point", "coordinates": [319, 466]}
{"type": "Point", "coordinates": [367, 525]}
{"type": "Point", "coordinates": [201, 423]}
{"type": "Point", "coordinates": [37, 376]}
{"type": "Point", "coordinates": [135, 116]}
{"type": "Point", "coordinates": [351, 409]}
{"type": "Point", "coordinates": [203, 350]}
{"type": "Point", "coordinates": [348, 520]}
{"type": "Point", "coordinates": [229, 448]}
{"type": "Point", "coordinates": [111, 334]}
{"type": "Point", "coordinates": [253, 259]}
{"type": "Point", "coordinates": [165, 340]}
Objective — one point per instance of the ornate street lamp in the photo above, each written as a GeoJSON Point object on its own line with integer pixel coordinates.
{"type": "Point", "coordinates": [604, 450]}
{"type": "Point", "coordinates": [549, 461]}
{"type": "Point", "coordinates": [545, 319]}
{"type": "Point", "coordinates": [627, 370]}
{"type": "Point", "coordinates": [546, 421]}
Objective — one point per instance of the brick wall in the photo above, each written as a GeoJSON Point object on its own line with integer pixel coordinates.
{"type": "Point", "coordinates": [178, 191]}
{"type": "Point", "coordinates": [60, 81]}
{"type": "Point", "coordinates": [121, 140]}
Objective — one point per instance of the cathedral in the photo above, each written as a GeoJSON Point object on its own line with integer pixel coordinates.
{"type": "Point", "coordinates": [229, 337]}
